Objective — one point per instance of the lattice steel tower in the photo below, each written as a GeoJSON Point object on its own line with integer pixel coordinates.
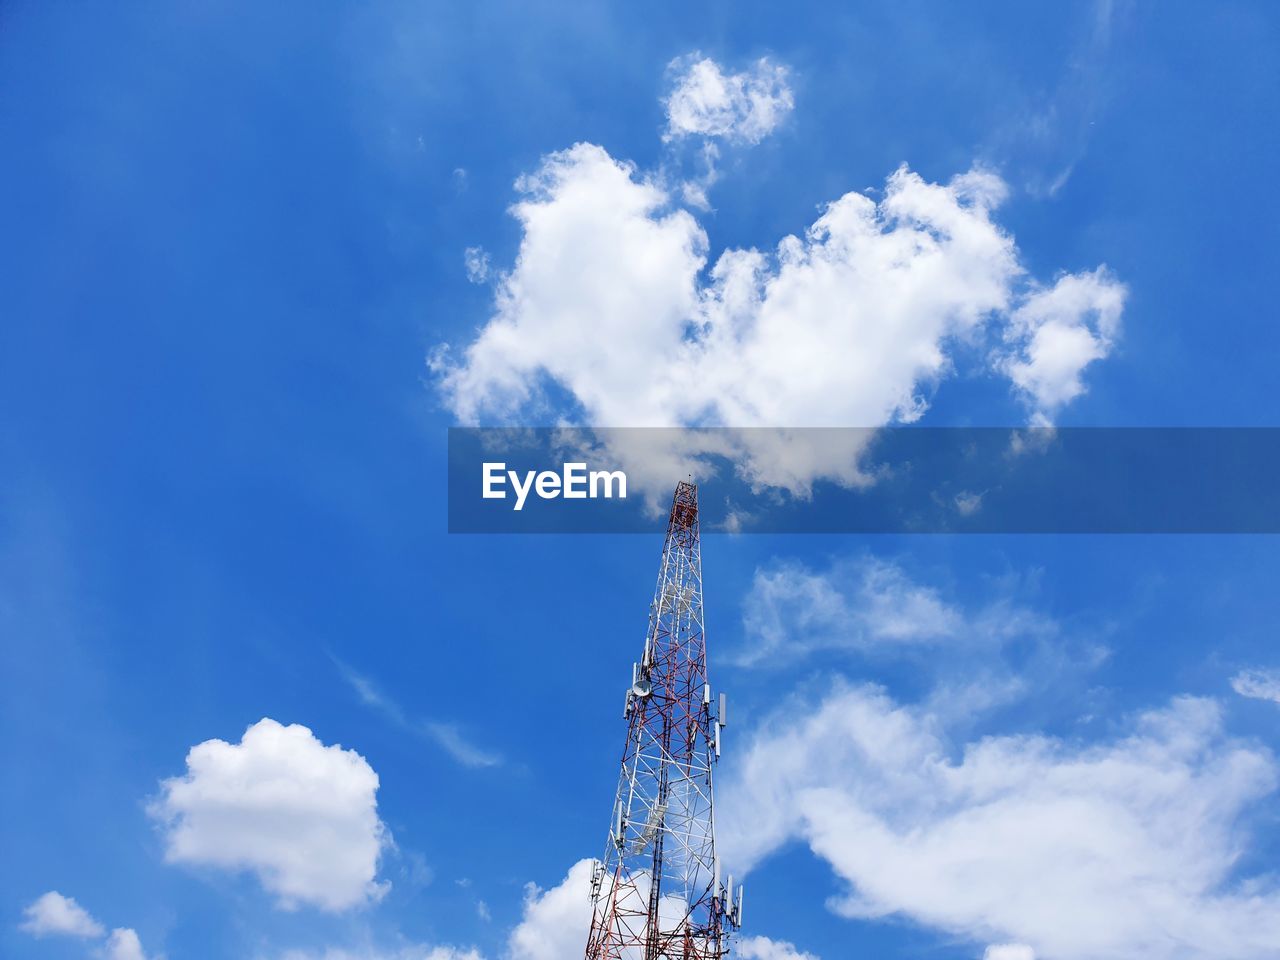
{"type": "Point", "coordinates": [658, 892]}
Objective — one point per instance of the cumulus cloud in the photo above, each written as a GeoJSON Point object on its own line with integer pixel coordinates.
{"type": "Point", "coordinates": [123, 944]}
{"type": "Point", "coordinates": [707, 102]}
{"type": "Point", "coordinates": [597, 258]}
{"type": "Point", "coordinates": [54, 914]}
{"type": "Point", "coordinates": [1257, 684]}
{"type": "Point", "coordinates": [836, 329]}
{"type": "Point", "coordinates": [298, 814]}
{"type": "Point", "coordinates": [555, 921]}
{"type": "Point", "coordinates": [1108, 851]}
{"type": "Point", "coordinates": [1058, 332]}
{"type": "Point", "coordinates": [553, 925]}
{"type": "Point", "coordinates": [852, 323]}
{"type": "Point", "coordinates": [762, 948]}
{"type": "Point", "coordinates": [1008, 951]}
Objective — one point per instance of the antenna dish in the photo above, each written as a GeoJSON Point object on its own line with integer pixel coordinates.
{"type": "Point", "coordinates": [642, 688]}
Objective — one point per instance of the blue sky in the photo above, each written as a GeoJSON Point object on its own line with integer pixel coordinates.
{"type": "Point", "coordinates": [236, 233]}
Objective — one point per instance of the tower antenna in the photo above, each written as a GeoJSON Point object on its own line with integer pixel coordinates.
{"type": "Point", "coordinates": [659, 892]}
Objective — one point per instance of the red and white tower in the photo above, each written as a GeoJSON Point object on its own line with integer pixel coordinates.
{"type": "Point", "coordinates": [659, 893]}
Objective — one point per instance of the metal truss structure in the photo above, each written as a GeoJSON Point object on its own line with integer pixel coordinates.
{"type": "Point", "coordinates": [658, 891]}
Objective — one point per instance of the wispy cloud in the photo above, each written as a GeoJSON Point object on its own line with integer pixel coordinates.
{"type": "Point", "coordinates": [1257, 684]}
{"type": "Point", "coordinates": [973, 654]}
{"type": "Point", "coordinates": [477, 264]}
{"type": "Point", "coordinates": [1139, 832]}
{"type": "Point", "coordinates": [446, 735]}
{"type": "Point", "coordinates": [1049, 138]}
{"type": "Point", "coordinates": [870, 604]}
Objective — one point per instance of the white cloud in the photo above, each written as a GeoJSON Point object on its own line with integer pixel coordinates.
{"type": "Point", "coordinates": [707, 102]}
{"type": "Point", "coordinates": [448, 736]}
{"type": "Point", "coordinates": [123, 944]}
{"type": "Point", "coordinates": [300, 815]}
{"type": "Point", "coordinates": [694, 192]}
{"type": "Point", "coordinates": [1045, 135]}
{"type": "Point", "coordinates": [852, 324]}
{"type": "Point", "coordinates": [477, 264]}
{"type": "Point", "coordinates": [555, 921]}
{"type": "Point", "coordinates": [1257, 684]}
{"type": "Point", "coordinates": [792, 610]}
{"type": "Point", "coordinates": [1108, 851]}
{"type": "Point", "coordinates": [869, 604]}
{"type": "Point", "coordinates": [52, 913]}
{"type": "Point", "coordinates": [762, 948]}
{"type": "Point", "coordinates": [602, 286]}
{"type": "Point", "coordinates": [409, 952]}
{"type": "Point", "coordinates": [452, 740]}
{"type": "Point", "coordinates": [553, 925]}
{"type": "Point", "coordinates": [1058, 332]}
{"type": "Point", "coordinates": [1008, 951]}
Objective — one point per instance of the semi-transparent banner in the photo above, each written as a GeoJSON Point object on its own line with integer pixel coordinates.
{"type": "Point", "coordinates": [888, 480]}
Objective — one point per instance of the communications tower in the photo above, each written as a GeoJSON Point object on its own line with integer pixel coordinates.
{"type": "Point", "coordinates": [658, 892]}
